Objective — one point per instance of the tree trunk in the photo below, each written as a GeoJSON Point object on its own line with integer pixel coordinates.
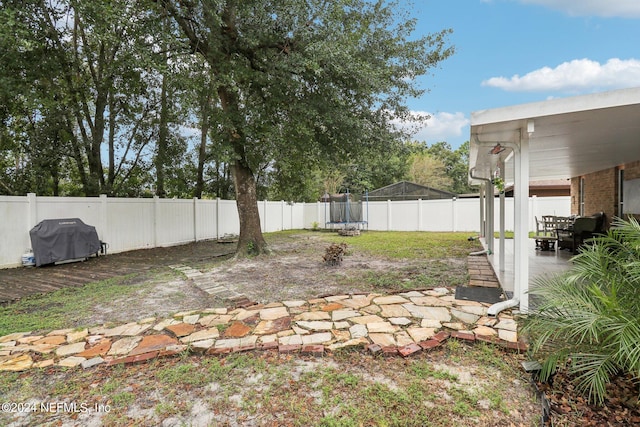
{"type": "Point", "coordinates": [251, 241]}
{"type": "Point", "coordinates": [202, 151]}
{"type": "Point", "coordinates": [163, 135]}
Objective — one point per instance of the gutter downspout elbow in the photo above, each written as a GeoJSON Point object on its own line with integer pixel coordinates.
{"type": "Point", "coordinates": [503, 305]}
{"type": "Point", "coordinates": [483, 252]}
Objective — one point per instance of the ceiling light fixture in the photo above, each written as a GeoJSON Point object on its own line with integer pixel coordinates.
{"type": "Point", "coordinates": [497, 149]}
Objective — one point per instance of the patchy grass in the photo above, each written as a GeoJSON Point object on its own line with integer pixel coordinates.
{"type": "Point", "coordinates": [410, 244]}
{"type": "Point", "coordinates": [264, 388]}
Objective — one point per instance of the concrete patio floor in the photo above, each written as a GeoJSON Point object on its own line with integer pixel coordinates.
{"type": "Point", "coordinates": [541, 263]}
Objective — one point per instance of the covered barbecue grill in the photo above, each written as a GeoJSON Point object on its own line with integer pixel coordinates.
{"type": "Point", "coordinates": [58, 240]}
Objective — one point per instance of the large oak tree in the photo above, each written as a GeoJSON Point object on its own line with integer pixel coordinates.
{"type": "Point", "coordinates": [304, 82]}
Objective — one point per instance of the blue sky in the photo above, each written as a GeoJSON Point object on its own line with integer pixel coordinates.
{"type": "Point", "coordinates": [511, 52]}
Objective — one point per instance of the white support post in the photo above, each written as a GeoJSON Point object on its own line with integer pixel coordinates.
{"type": "Point", "coordinates": [388, 215]}
{"type": "Point", "coordinates": [420, 212]}
{"type": "Point", "coordinates": [281, 214]}
{"type": "Point", "coordinates": [491, 200]}
{"type": "Point", "coordinates": [521, 229]}
{"type": "Point", "coordinates": [502, 237]}
{"type": "Point", "coordinates": [482, 206]}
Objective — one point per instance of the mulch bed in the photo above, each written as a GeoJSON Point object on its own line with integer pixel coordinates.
{"type": "Point", "coordinates": [567, 407]}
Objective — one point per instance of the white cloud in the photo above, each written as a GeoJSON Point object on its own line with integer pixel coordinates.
{"type": "Point", "coordinates": [576, 75]}
{"type": "Point", "coordinates": [440, 126]}
{"type": "Point", "coordinates": [603, 8]}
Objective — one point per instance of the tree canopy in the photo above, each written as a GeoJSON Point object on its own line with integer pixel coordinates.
{"type": "Point", "coordinates": [251, 98]}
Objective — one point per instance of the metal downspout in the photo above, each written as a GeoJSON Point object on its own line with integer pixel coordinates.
{"type": "Point", "coordinates": [488, 230]}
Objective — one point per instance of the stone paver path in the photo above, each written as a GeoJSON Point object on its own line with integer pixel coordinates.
{"type": "Point", "coordinates": [401, 324]}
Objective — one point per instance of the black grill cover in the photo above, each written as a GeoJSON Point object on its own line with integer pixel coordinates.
{"type": "Point", "coordinates": [55, 240]}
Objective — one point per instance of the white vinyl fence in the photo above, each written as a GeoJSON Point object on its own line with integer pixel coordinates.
{"type": "Point", "coordinates": [129, 224]}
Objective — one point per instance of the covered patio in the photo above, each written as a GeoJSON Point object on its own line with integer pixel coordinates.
{"type": "Point", "coordinates": [555, 139]}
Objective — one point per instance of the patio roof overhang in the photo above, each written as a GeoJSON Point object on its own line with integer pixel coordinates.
{"type": "Point", "coordinates": [570, 136]}
{"type": "Point", "coordinates": [555, 139]}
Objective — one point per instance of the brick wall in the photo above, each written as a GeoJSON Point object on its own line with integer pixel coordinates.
{"type": "Point", "coordinates": [601, 190]}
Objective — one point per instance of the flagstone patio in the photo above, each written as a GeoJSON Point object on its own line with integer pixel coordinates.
{"type": "Point", "coordinates": [401, 324]}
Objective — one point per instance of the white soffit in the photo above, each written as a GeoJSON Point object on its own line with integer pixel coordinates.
{"type": "Point", "coordinates": [572, 136]}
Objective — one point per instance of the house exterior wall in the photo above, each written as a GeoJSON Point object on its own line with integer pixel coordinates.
{"type": "Point", "coordinates": [601, 190]}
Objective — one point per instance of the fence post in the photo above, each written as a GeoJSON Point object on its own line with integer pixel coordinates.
{"type": "Point", "coordinates": [282, 214]}
{"type": "Point", "coordinates": [195, 219]}
{"type": "Point", "coordinates": [388, 215]}
{"type": "Point", "coordinates": [104, 222]}
{"type": "Point", "coordinates": [420, 212]}
{"type": "Point", "coordinates": [156, 210]}
{"type": "Point", "coordinates": [454, 214]}
{"type": "Point", "coordinates": [33, 210]}
{"type": "Point", "coordinates": [217, 218]}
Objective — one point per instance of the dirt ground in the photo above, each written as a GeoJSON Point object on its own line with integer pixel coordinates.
{"type": "Point", "coordinates": [294, 271]}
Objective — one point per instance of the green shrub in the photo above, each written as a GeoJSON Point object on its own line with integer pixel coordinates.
{"type": "Point", "coordinates": [588, 319]}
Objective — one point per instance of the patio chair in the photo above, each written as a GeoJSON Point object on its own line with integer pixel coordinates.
{"type": "Point", "coordinates": [580, 230]}
{"type": "Point", "coordinates": [546, 235]}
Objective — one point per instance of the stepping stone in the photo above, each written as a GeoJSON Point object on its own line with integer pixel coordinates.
{"type": "Point", "coordinates": [191, 319]}
{"type": "Point", "coordinates": [485, 331]}
{"type": "Point", "coordinates": [268, 327]}
{"type": "Point", "coordinates": [341, 335]}
{"type": "Point", "coordinates": [391, 299]}
{"type": "Point", "coordinates": [151, 343]}
{"type": "Point", "coordinates": [71, 361]}
{"type": "Point", "coordinates": [421, 334]}
{"type": "Point", "coordinates": [204, 334]}
{"type": "Point", "coordinates": [29, 339]}
{"type": "Point", "coordinates": [411, 294]}
{"type": "Point", "coordinates": [237, 330]}
{"type": "Point", "coordinates": [338, 315]}
{"type": "Point", "coordinates": [124, 346]}
{"type": "Point", "coordinates": [431, 323]}
{"type": "Point", "coordinates": [400, 321]}
{"type": "Point", "coordinates": [92, 362]}
{"type": "Point", "coordinates": [215, 320]}
{"type": "Point", "coordinates": [350, 343]}
{"type": "Point", "coordinates": [58, 332]}
{"type": "Point", "coordinates": [394, 310]}
{"type": "Point", "coordinates": [13, 337]}
{"type": "Point", "coordinates": [293, 304]}
{"type": "Point", "coordinates": [431, 301]}
{"type": "Point", "coordinates": [456, 326]}
{"type": "Point", "coordinates": [341, 325]}
{"type": "Point", "coordinates": [52, 340]}
{"type": "Point", "coordinates": [464, 316]}
{"type": "Point", "coordinates": [436, 313]}
{"type": "Point", "coordinates": [507, 324]}
{"type": "Point", "coordinates": [358, 331]}
{"type": "Point", "coordinates": [371, 318]}
{"type": "Point", "coordinates": [274, 313]}
{"type": "Point", "coordinates": [44, 363]}
{"type": "Point", "coordinates": [356, 302]}
{"type": "Point", "coordinates": [383, 340]}
{"type": "Point", "coordinates": [77, 335]}
{"type": "Point", "coordinates": [99, 349]}
{"type": "Point", "coordinates": [181, 329]}
{"type": "Point", "coordinates": [204, 345]}
{"type": "Point", "coordinates": [315, 325]}
{"type": "Point", "coordinates": [15, 364]}
{"type": "Point", "coordinates": [290, 340]}
{"type": "Point", "coordinates": [506, 335]}
{"type": "Point", "coordinates": [70, 349]}
{"type": "Point", "coordinates": [331, 307]}
{"type": "Point", "coordinates": [473, 309]}
{"type": "Point", "coordinates": [164, 323]}
{"type": "Point", "coordinates": [381, 327]}
{"type": "Point", "coordinates": [403, 338]}
{"type": "Point", "coordinates": [317, 338]}
{"type": "Point", "coordinates": [313, 315]}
